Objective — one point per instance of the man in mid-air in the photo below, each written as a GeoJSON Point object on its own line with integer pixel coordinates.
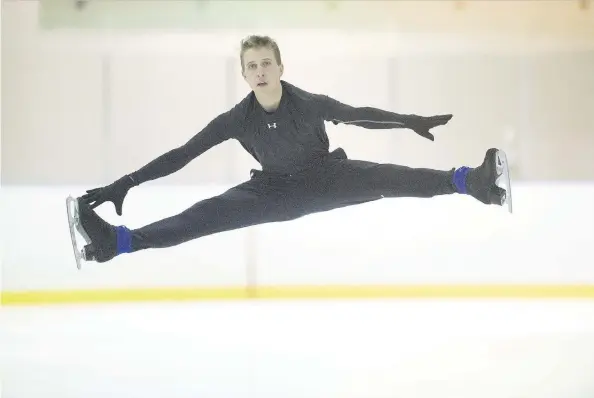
{"type": "Point", "coordinates": [282, 127]}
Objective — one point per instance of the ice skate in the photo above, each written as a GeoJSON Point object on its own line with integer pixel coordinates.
{"type": "Point", "coordinates": [504, 179]}
{"type": "Point", "coordinates": [100, 238]}
{"type": "Point", "coordinates": [485, 182]}
{"type": "Point", "coordinates": [75, 227]}
{"type": "Point", "coordinates": [490, 182]}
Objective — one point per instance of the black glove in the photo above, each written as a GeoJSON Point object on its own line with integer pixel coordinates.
{"type": "Point", "coordinates": [423, 124]}
{"type": "Point", "coordinates": [115, 193]}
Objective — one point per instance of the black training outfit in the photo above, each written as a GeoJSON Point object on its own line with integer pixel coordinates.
{"type": "Point", "coordinates": [299, 175]}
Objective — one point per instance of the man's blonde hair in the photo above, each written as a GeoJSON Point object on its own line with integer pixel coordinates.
{"type": "Point", "coordinates": [256, 41]}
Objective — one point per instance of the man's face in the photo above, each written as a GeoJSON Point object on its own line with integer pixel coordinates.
{"type": "Point", "coordinates": [261, 71]}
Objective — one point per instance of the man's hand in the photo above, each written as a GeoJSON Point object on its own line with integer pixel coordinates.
{"type": "Point", "coordinates": [115, 193]}
{"type": "Point", "coordinates": [422, 125]}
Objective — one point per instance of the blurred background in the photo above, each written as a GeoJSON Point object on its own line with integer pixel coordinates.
{"type": "Point", "coordinates": [94, 89]}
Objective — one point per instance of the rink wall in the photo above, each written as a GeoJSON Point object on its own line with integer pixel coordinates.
{"type": "Point", "coordinates": [448, 246]}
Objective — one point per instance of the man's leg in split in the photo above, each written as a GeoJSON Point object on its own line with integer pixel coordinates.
{"type": "Point", "coordinates": [253, 202]}
{"type": "Point", "coordinates": [349, 182]}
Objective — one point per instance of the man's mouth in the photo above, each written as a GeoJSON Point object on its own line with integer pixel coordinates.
{"type": "Point", "coordinates": [262, 84]}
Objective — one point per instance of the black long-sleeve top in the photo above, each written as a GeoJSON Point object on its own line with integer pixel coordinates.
{"type": "Point", "coordinates": [284, 141]}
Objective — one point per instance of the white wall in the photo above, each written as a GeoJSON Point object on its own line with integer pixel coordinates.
{"type": "Point", "coordinates": [89, 96]}
{"type": "Point", "coordinates": [444, 240]}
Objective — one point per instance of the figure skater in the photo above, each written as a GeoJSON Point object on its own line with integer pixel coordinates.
{"type": "Point", "coordinates": [282, 127]}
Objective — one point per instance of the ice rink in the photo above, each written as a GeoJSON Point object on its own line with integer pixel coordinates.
{"type": "Point", "coordinates": [346, 349]}
{"type": "Point", "coordinates": [462, 300]}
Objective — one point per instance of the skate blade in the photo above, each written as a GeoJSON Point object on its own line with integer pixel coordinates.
{"type": "Point", "coordinates": [77, 224]}
{"type": "Point", "coordinates": [74, 227]}
{"type": "Point", "coordinates": [504, 179]}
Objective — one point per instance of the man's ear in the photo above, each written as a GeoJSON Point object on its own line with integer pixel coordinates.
{"type": "Point", "coordinates": [282, 69]}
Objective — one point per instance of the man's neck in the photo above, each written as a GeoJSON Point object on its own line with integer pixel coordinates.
{"type": "Point", "coordinates": [270, 101]}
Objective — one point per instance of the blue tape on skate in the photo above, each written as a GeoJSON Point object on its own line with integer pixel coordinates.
{"type": "Point", "coordinates": [460, 178]}
{"type": "Point", "coordinates": [124, 238]}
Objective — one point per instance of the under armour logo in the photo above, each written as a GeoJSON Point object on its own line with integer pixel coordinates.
{"type": "Point", "coordinates": [273, 125]}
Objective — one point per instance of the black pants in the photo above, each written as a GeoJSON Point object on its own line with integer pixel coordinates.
{"type": "Point", "coordinates": [336, 182]}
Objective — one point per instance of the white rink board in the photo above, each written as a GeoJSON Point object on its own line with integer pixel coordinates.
{"type": "Point", "coordinates": [450, 239]}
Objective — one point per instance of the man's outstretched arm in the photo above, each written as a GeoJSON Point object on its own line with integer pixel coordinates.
{"type": "Point", "coordinates": [216, 132]}
{"type": "Point", "coordinates": [374, 118]}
